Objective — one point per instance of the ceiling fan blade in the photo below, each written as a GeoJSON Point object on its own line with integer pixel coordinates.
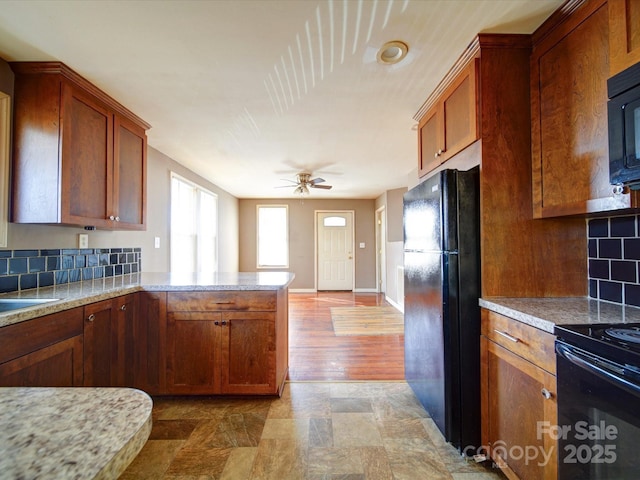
{"type": "Point", "coordinates": [316, 180]}
{"type": "Point", "coordinates": [287, 186]}
{"type": "Point", "coordinates": [325, 187]}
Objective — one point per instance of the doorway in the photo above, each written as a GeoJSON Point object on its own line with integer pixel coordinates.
{"type": "Point", "coordinates": [335, 250]}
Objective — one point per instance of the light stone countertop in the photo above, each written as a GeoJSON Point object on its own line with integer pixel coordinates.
{"type": "Point", "coordinates": [60, 433]}
{"type": "Point", "coordinates": [545, 313]}
{"type": "Point", "coordinates": [77, 294]}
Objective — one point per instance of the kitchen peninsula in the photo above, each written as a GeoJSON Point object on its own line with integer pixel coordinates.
{"type": "Point", "coordinates": [223, 333]}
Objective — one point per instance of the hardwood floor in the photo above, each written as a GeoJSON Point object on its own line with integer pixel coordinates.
{"type": "Point", "coordinates": [316, 353]}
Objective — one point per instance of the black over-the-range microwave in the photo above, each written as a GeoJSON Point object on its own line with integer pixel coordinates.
{"type": "Point", "coordinates": [624, 127]}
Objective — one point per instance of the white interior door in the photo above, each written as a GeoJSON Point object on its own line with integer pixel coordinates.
{"type": "Point", "coordinates": [335, 250]}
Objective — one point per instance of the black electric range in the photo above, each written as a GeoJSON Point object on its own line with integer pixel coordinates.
{"type": "Point", "coordinates": [598, 390]}
{"type": "Point", "coordinates": [619, 342]}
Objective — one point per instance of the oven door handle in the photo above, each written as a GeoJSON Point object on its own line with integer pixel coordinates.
{"type": "Point", "coordinates": [600, 370]}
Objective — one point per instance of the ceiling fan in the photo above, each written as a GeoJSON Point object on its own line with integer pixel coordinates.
{"type": "Point", "coordinates": [304, 182]}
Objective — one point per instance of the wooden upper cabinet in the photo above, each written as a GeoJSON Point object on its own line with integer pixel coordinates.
{"type": "Point", "coordinates": [570, 152]}
{"type": "Point", "coordinates": [130, 174]}
{"type": "Point", "coordinates": [429, 140]}
{"type": "Point", "coordinates": [450, 123]}
{"type": "Point", "coordinates": [87, 152]}
{"type": "Point", "coordinates": [624, 38]}
{"type": "Point", "coordinates": [79, 156]}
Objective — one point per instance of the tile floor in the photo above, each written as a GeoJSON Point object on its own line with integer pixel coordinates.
{"type": "Point", "coordinates": [316, 431]}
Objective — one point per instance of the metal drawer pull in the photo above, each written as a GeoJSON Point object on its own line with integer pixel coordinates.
{"type": "Point", "coordinates": [224, 303]}
{"type": "Point", "coordinates": [123, 307]}
{"type": "Point", "coordinates": [91, 318]}
{"type": "Point", "coordinates": [546, 393]}
{"type": "Point", "coordinates": [507, 336]}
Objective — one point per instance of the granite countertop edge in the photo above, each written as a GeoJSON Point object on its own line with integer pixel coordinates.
{"type": "Point", "coordinates": [102, 431]}
{"type": "Point", "coordinates": [77, 294]}
{"type": "Point", "coordinates": [546, 313]}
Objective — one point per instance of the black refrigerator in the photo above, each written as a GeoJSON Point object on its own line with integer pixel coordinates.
{"type": "Point", "coordinates": [441, 312]}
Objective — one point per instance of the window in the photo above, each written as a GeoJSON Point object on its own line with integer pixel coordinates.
{"type": "Point", "coordinates": [273, 236]}
{"type": "Point", "coordinates": [194, 227]}
{"type": "Point", "coordinates": [335, 222]}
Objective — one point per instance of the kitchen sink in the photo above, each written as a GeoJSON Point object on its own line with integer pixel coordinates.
{"type": "Point", "coordinates": [8, 304]}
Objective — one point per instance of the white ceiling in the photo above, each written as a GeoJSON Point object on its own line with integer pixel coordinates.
{"type": "Point", "coordinates": [249, 92]}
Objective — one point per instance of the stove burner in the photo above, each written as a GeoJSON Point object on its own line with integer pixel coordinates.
{"type": "Point", "coordinates": [628, 335]}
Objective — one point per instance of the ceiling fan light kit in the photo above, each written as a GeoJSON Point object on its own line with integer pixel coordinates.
{"type": "Point", "coordinates": [304, 182]}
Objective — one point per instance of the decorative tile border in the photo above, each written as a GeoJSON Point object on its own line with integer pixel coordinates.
{"type": "Point", "coordinates": [614, 259]}
{"type": "Point", "coordinates": [25, 269]}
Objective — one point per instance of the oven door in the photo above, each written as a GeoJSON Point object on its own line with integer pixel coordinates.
{"type": "Point", "coordinates": [598, 417]}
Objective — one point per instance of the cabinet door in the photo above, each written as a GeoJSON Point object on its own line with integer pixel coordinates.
{"type": "Point", "coordinates": [130, 174]}
{"type": "Point", "coordinates": [193, 352]}
{"type": "Point", "coordinates": [459, 113]}
{"type": "Point", "coordinates": [87, 159]}
{"type": "Point", "coordinates": [430, 142]}
{"type": "Point", "coordinates": [100, 331]}
{"type": "Point", "coordinates": [149, 337]}
{"type": "Point", "coordinates": [513, 388]}
{"type": "Point", "coordinates": [58, 365]}
{"type": "Point", "coordinates": [248, 355]}
{"type": "Point", "coordinates": [123, 348]}
{"type": "Point", "coordinates": [570, 150]}
{"type": "Point", "coordinates": [624, 34]}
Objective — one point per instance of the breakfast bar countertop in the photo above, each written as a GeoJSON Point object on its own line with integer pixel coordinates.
{"type": "Point", "coordinates": [546, 313]}
{"type": "Point", "coordinates": [77, 294]}
{"type": "Point", "coordinates": [71, 432]}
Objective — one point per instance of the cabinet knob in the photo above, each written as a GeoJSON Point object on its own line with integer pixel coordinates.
{"type": "Point", "coordinates": [224, 323]}
{"type": "Point", "coordinates": [91, 318]}
{"type": "Point", "coordinates": [546, 393]}
{"type": "Point", "coordinates": [111, 217]}
{"type": "Point", "coordinates": [123, 307]}
{"type": "Point", "coordinates": [117, 219]}
{"type": "Point", "coordinates": [216, 323]}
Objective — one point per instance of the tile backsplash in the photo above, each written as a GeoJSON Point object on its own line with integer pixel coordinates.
{"type": "Point", "coordinates": [24, 269]}
{"type": "Point", "coordinates": [614, 259]}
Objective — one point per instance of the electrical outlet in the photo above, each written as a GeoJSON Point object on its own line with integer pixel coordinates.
{"type": "Point", "coordinates": [83, 240]}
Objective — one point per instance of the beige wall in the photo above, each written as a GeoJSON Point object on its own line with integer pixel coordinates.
{"type": "Point", "coordinates": [302, 241]}
{"type": "Point", "coordinates": [159, 168]}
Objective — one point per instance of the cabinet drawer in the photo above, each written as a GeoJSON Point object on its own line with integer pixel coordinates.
{"type": "Point", "coordinates": [524, 340]}
{"type": "Point", "coordinates": [25, 337]}
{"type": "Point", "coordinates": [221, 301]}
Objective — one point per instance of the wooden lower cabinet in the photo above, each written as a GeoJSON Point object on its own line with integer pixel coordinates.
{"type": "Point", "coordinates": [188, 343]}
{"type": "Point", "coordinates": [109, 344]}
{"type": "Point", "coordinates": [148, 342]}
{"type": "Point", "coordinates": [44, 352]}
{"type": "Point", "coordinates": [213, 349]}
{"type": "Point", "coordinates": [518, 399]}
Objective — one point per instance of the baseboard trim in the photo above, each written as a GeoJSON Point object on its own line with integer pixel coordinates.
{"type": "Point", "coordinates": [397, 306]}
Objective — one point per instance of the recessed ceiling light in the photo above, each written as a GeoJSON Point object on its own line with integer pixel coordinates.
{"type": "Point", "coordinates": [392, 52]}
